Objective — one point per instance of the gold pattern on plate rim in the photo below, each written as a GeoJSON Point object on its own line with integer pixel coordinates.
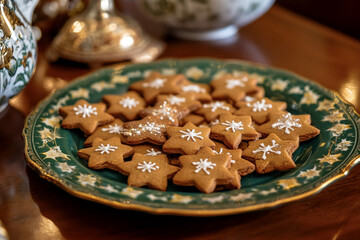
{"type": "Point", "coordinates": [186, 212]}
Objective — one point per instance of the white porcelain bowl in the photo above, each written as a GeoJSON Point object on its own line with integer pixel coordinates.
{"type": "Point", "coordinates": [204, 19]}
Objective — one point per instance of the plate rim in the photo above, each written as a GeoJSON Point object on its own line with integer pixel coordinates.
{"type": "Point", "coordinates": [177, 211]}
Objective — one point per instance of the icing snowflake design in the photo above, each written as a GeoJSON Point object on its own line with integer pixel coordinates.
{"type": "Point", "coordinates": [150, 127]}
{"type": "Point", "coordinates": [259, 106]}
{"type": "Point", "coordinates": [165, 112]}
{"type": "Point", "coordinates": [191, 135]}
{"type": "Point", "coordinates": [129, 102]}
{"type": "Point", "coordinates": [144, 166]}
{"type": "Point", "coordinates": [215, 105]}
{"type": "Point", "coordinates": [204, 165]}
{"type": "Point", "coordinates": [231, 83]}
{"type": "Point", "coordinates": [287, 122]}
{"type": "Point", "coordinates": [174, 100]}
{"type": "Point", "coordinates": [113, 129]}
{"type": "Point", "coordinates": [152, 152]}
{"type": "Point", "coordinates": [267, 149]}
{"type": "Point", "coordinates": [156, 83]}
{"type": "Point", "coordinates": [232, 161]}
{"type": "Point", "coordinates": [193, 88]}
{"type": "Point", "coordinates": [105, 149]}
{"type": "Point", "coordinates": [234, 126]}
{"type": "Point", "coordinates": [85, 110]}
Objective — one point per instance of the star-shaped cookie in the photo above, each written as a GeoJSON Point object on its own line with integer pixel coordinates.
{"type": "Point", "coordinates": [149, 129]}
{"type": "Point", "coordinates": [205, 170]}
{"type": "Point", "coordinates": [113, 129]}
{"type": "Point", "coordinates": [259, 109]}
{"type": "Point", "coordinates": [148, 149]}
{"type": "Point", "coordinates": [168, 114]}
{"type": "Point", "coordinates": [238, 166]}
{"type": "Point", "coordinates": [201, 91]}
{"type": "Point", "coordinates": [157, 84]}
{"type": "Point", "coordinates": [108, 153]}
{"type": "Point", "coordinates": [126, 106]}
{"type": "Point", "coordinates": [233, 129]}
{"type": "Point", "coordinates": [183, 100]}
{"type": "Point", "coordinates": [271, 154]}
{"type": "Point", "coordinates": [289, 127]}
{"type": "Point", "coordinates": [213, 109]}
{"type": "Point", "coordinates": [233, 88]}
{"type": "Point", "coordinates": [151, 171]}
{"type": "Point", "coordinates": [84, 115]}
{"type": "Point", "coordinates": [187, 139]}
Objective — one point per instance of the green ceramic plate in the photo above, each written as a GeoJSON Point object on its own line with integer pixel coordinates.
{"type": "Point", "coordinates": [53, 151]}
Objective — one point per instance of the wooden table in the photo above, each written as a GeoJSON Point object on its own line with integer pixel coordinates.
{"type": "Point", "coordinates": [32, 208]}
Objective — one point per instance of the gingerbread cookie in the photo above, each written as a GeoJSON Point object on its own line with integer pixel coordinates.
{"type": "Point", "coordinates": [187, 139]}
{"type": "Point", "coordinates": [148, 149]}
{"type": "Point", "coordinates": [289, 127]}
{"type": "Point", "coordinates": [259, 109]}
{"type": "Point", "coordinates": [108, 153]}
{"type": "Point", "coordinates": [126, 106]}
{"type": "Point", "coordinates": [200, 91]}
{"type": "Point", "coordinates": [84, 115]}
{"type": "Point", "coordinates": [193, 118]}
{"type": "Point", "coordinates": [168, 114]}
{"type": "Point", "coordinates": [271, 154]}
{"type": "Point", "coordinates": [205, 170]}
{"type": "Point", "coordinates": [151, 171]}
{"type": "Point", "coordinates": [232, 129]}
{"type": "Point", "coordinates": [114, 129]}
{"type": "Point", "coordinates": [238, 166]}
{"type": "Point", "coordinates": [183, 100]}
{"type": "Point", "coordinates": [157, 84]}
{"type": "Point", "coordinates": [213, 109]}
{"type": "Point", "coordinates": [149, 129]}
{"type": "Point", "coordinates": [233, 88]}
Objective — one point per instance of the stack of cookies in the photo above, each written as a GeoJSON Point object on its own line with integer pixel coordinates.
{"type": "Point", "coordinates": [207, 136]}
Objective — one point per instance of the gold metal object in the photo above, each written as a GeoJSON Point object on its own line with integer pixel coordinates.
{"type": "Point", "coordinates": [100, 35]}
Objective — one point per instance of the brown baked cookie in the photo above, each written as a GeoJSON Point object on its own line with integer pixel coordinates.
{"type": "Point", "coordinates": [149, 129]}
{"type": "Point", "coordinates": [259, 109]}
{"type": "Point", "coordinates": [168, 114]}
{"type": "Point", "coordinates": [151, 171]}
{"type": "Point", "coordinates": [187, 139]}
{"type": "Point", "coordinates": [183, 100]}
{"type": "Point", "coordinates": [289, 127]}
{"type": "Point", "coordinates": [126, 106]}
{"type": "Point", "coordinates": [108, 153]}
{"type": "Point", "coordinates": [232, 129]}
{"type": "Point", "coordinates": [258, 94]}
{"type": "Point", "coordinates": [271, 154]}
{"type": "Point", "coordinates": [213, 109]}
{"type": "Point", "coordinates": [193, 118]}
{"type": "Point", "coordinates": [157, 84]}
{"type": "Point", "coordinates": [201, 91]}
{"type": "Point", "coordinates": [148, 149]}
{"type": "Point", "coordinates": [205, 170]}
{"type": "Point", "coordinates": [238, 166]}
{"type": "Point", "coordinates": [84, 115]}
{"type": "Point", "coordinates": [107, 131]}
{"type": "Point", "coordinates": [233, 88]}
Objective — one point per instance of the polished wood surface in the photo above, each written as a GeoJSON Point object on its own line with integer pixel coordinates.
{"type": "Point", "coordinates": [32, 208]}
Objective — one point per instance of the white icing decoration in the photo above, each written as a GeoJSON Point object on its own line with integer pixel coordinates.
{"type": "Point", "coordinates": [152, 152]}
{"type": "Point", "coordinates": [85, 110]}
{"type": "Point", "coordinates": [234, 126]}
{"type": "Point", "coordinates": [191, 134]}
{"type": "Point", "coordinates": [287, 122]}
{"type": "Point", "coordinates": [215, 105]}
{"type": "Point", "coordinates": [249, 99]}
{"type": "Point", "coordinates": [165, 111]}
{"type": "Point", "coordinates": [231, 83]}
{"type": "Point", "coordinates": [203, 165]}
{"type": "Point", "coordinates": [193, 88]}
{"type": "Point", "coordinates": [113, 129]}
{"type": "Point", "coordinates": [129, 102]}
{"type": "Point", "coordinates": [105, 149]}
{"type": "Point", "coordinates": [174, 100]}
{"type": "Point", "coordinates": [150, 127]}
{"type": "Point", "coordinates": [144, 166]}
{"type": "Point", "coordinates": [259, 106]}
{"type": "Point", "coordinates": [156, 83]}
{"type": "Point", "coordinates": [267, 149]}
{"type": "Point", "coordinates": [232, 161]}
